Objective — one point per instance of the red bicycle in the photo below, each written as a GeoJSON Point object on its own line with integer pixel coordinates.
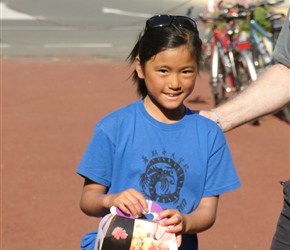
{"type": "Point", "coordinates": [231, 64]}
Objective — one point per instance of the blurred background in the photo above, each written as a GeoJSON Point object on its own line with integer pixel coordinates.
{"type": "Point", "coordinates": [62, 69]}
{"type": "Point", "coordinates": [102, 28]}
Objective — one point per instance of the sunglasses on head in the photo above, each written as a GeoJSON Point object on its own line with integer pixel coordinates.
{"type": "Point", "coordinates": [165, 20]}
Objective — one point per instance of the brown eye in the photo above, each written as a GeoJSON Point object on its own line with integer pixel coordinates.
{"type": "Point", "coordinates": [188, 72]}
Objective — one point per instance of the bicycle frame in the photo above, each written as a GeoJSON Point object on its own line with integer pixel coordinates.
{"type": "Point", "coordinates": [254, 27]}
{"type": "Point", "coordinates": [243, 49]}
{"type": "Point", "coordinates": [227, 56]}
{"type": "Point", "coordinates": [218, 47]}
{"type": "Point", "coordinates": [230, 59]}
{"type": "Point", "coordinates": [219, 50]}
{"type": "Point", "coordinates": [259, 46]}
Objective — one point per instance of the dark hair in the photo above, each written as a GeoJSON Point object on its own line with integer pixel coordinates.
{"type": "Point", "coordinates": [159, 39]}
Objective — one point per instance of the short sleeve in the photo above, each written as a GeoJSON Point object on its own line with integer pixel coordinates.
{"type": "Point", "coordinates": [97, 161]}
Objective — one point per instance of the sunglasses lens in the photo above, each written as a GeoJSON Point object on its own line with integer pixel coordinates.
{"type": "Point", "coordinates": [186, 22]}
{"type": "Point", "coordinates": [158, 21]}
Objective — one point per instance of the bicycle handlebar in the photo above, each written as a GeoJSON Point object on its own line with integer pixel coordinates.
{"type": "Point", "coordinates": [267, 3]}
{"type": "Point", "coordinates": [241, 8]}
{"type": "Point", "coordinates": [224, 17]}
{"type": "Point", "coordinates": [263, 3]}
{"type": "Point", "coordinates": [241, 11]}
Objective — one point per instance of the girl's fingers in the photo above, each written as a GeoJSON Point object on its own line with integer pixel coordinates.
{"type": "Point", "coordinates": [169, 214]}
{"type": "Point", "coordinates": [178, 240]}
{"type": "Point", "coordinates": [132, 202]}
{"type": "Point", "coordinates": [144, 206]}
{"type": "Point", "coordinates": [135, 208]}
{"type": "Point", "coordinates": [123, 208]}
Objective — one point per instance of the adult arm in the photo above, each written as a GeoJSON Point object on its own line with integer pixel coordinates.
{"type": "Point", "coordinates": [269, 93]}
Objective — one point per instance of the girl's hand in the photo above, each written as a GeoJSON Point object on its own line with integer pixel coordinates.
{"type": "Point", "coordinates": [174, 221]}
{"type": "Point", "coordinates": [130, 201]}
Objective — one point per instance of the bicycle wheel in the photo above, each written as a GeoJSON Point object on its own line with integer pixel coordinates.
{"type": "Point", "coordinates": [246, 72]}
{"type": "Point", "coordinates": [207, 51]}
{"type": "Point", "coordinates": [286, 112]}
{"type": "Point", "coordinates": [218, 76]}
{"type": "Point", "coordinates": [260, 57]}
{"type": "Point", "coordinates": [218, 90]}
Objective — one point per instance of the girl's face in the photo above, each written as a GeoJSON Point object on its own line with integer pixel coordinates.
{"type": "Point", "coordinates": [170, 78]}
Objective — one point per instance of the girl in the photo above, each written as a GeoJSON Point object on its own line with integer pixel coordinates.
{"type": "Point", "coordinates": [156, 148]}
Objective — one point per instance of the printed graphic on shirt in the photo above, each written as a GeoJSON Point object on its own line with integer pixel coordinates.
{"type": "Point", "coordinates": [163, 178]}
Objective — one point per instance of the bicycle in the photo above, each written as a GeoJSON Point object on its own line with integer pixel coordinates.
{"type": "Point", "coordinates": [231, 64]}
{"type": "Point", "coordinates": [261, 57]}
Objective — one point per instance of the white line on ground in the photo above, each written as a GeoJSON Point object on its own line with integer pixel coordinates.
{"type": "Point", "coordinates": [34, 28]}
{"type": "Point", "coordinates": [125, 13]}
{"type": "Point", "coordinates": [83, 45]}
{"type": "Point", "coordinates": [9, 14]}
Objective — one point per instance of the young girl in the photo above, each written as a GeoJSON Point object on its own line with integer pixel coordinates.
{"type": "Point", "coordinates": [156, 148]}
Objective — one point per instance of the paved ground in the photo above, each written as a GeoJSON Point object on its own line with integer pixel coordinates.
{"type": "Point", "coordinates": [49, 109]}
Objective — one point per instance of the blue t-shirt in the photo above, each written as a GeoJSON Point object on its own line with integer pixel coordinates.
{"type": "Point", "coordinates": [173, 164]}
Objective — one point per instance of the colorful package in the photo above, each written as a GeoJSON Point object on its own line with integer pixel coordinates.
{"type": "Point", "coordinates": [121, 232]}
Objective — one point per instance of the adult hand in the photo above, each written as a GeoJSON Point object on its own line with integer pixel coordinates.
{"type": "Point", "coordinates": [210, 114]}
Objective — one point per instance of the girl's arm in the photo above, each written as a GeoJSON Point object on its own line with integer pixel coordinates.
{"type": "Point", "coordinates": [95, 202]}
{"type": "Point", "coordinates": [203, 217]}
